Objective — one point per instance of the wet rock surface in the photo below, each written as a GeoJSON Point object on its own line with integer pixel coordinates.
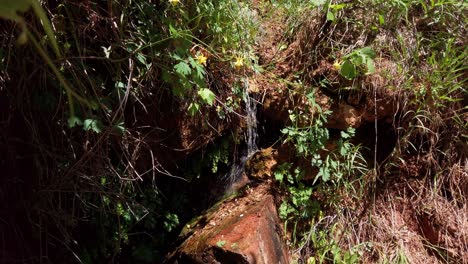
{"type": "Point", "coordinates": [241, 230]}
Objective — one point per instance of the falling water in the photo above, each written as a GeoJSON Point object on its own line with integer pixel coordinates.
{"type": "Point", "coordinates": [237, 168]}
{"type": "Point", "coordinates": [251, 120]}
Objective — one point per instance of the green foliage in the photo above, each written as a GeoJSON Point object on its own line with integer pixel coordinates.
{"type": "Point", "coordinates": [171, 221]}
{"type": "Point", "coordinates": [358, 62]}
{"type": "Point", "coordinates": [289, 10]}
{"type": "Point", "coordinates": [219, 154]}
{"type": "Point", "coordinates": [327, 249]}
{"type": "Point", "coordinates": [127, 218]}
{"type": "Point", "coordinates": [309, 139]}
{"type": "Point", "coordinates": [225, 35]}
{"type": "Point", "coordinates": [298, 204]}
{"type": "Point", "coordinates": [333, 9]}
{"type": "Point", "coordinates": [221, 243]}
{"type": "Point", "coordinates": [207, 96]}
{"type": "Point", "coordinates": [210, 160]}
{"type": "Point", "coordinates": [335, 169]}
{"type": "Point", "coordinates": [177, 40]}
{"type": "Point", "coordinates": [93, 124]}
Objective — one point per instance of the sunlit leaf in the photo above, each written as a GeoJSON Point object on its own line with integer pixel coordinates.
{"type": "Point", "coordinates": [207, 95]}
{"type": "Point", "coordinates": [330, 16]}
{"type": "Point", "coordinates": [182, 68]}
{"type": "Point", "coordinates": [367, 51]}
{"type": "Point", "coordinates": [370, 66]}
{"type": "Point", "coordinates": [348, 70]}
{"type": "Point", "coordinates": [193, 108]}
{"type": "Point", "coordinates": [93, 124]}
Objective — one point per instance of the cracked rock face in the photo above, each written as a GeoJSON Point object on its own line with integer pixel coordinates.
{"type": "Point", "coordinates": [243, 230]}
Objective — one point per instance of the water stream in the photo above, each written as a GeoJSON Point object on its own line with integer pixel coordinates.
{"type": "Point", "coordinates": [237, 168]}
{"type": "Point", "coordinates": [251, 120]}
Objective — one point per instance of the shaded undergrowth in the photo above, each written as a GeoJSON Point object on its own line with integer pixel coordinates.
{"type": "Point", "coordinates": [107, 123]}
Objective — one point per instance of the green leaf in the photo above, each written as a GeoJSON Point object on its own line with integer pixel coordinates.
{"type": "Point", "coordinates": [193, 108]}
{"type": "Point", "coordinates": [348, 70]}
{"type": "Point", "coordinates": [330, 16]}
{"type": "Point", "coordinates": [172, 220]}
{"type": "Point", "coordinates": [367, 51]}
{"type": "Point", "coordinates": [199, 70]}
{"type": "Point", "coordinates": [93, 124]}
{"type": "Point", "coordinates": [118, 129]}
{"type": "Point", "coordinates": [370, 66]}
{"type": "Point", "coordinates": [182, 68]}
{"type": "Point", "coordinates": [173, 31]}
{"type": "Point", "coordinates": [221, 243]}
{"type": "Point", "coordinates": [381, 20]}
{"type": "Point", "coordinates": [284, 210]}
{"type": "Point", "coordinates": [141, 58]}
{"type": "Point", "coordinates": [279, 176]}
{"type": "Point", "coordinates": [337, 6]}
{"type": "Point", "coordinates": [207, 95]}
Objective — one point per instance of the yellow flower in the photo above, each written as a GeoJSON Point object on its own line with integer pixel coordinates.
{"type": "Point", "coordinates": [239, 62]}
{"type": "Point", "coordinates": [201, 59]}
{"type": "Point", "coordinates": [337, 66]}
{"type": "Point", "coordinates": [174, 2]}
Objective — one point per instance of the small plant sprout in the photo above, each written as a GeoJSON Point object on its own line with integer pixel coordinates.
{"type": "Point", "coordinates": [221, 243]}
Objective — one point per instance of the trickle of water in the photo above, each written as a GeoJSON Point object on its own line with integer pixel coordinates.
{"type": "Point", "coordinates": [251, 120]}
{"type": "Point", "coordinates": [237, 168]}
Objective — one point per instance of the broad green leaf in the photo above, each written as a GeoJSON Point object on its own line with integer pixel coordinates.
{"type": "Point", "coordinates": [343, 150]}
{"type": "Point", "coordinates": [92, 124]}
{"type": "Point", "coordinates": [344, 134]}
{"type": "Point", "coordinates": [367, 51]}
{"type": "Point", "coordinates": [348, 70]}
{"type": "Point", "coordinates": [207, 95]}
{"type": "Point", "coordinates": [370, 66]}
{"type": "Point", "coordinates": [325, 174]}
{"type": "Point", "coordinates": [358, 59]}
{"type": "Point", "coordinates": [182, 68]}
{"type": "Point", "coordinates": [199, 69]}
{"type": "Point", "coordinates": [330, 16]}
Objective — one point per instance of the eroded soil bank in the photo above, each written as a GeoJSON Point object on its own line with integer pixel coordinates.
{"type": "Point", "coordinates": [234, 132]}
{"type": "Point", "coordinates": [399, 217]}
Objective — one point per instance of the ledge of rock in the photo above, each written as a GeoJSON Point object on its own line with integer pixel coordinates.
{"type": "Point", "coordinates": [240, 230]}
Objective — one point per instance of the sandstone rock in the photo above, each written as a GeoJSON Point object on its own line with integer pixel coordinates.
{"type": "Point", "coordinates": [344, 116]}
{"type": "Point", "coordinates": [246, 230]}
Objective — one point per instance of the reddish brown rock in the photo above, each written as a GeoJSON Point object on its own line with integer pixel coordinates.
{"type": "Point", "coordinates": [242, 230]}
